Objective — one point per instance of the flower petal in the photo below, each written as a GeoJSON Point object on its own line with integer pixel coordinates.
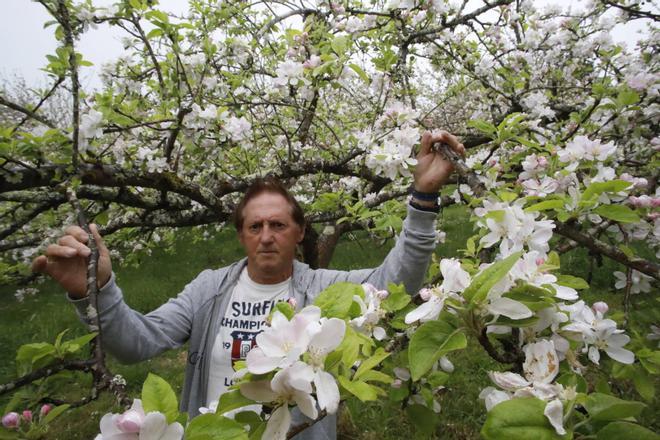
{"type": "Point", "coordinates": [306, 403]}
{"type": "Point", "coordinates": [259, 391]}
{"type": "Point", "coordinates": [493, 396]}
{"type": "Point", "coordinates": [554, 412]}
{"type": "Point", "coordinates": [173, 432]}
{"type": "Point", "coordinates": [331, 334]}
{"type": "Point", "coordinates": [278, 424]}
{"type": "Point", "coordinates": [509, 308]}
{"type": "Point", "coordinates": [427, 311]}
{"type": "Point", "coordinates": [594, 355]}
{"type": "Point", "coordinates": [327, 391]}
{"type": "Point", "coordinates": [508, 380]}
{"type": "Point", "coordinates": [620, 355]}
{"type": "Point", "coordinates": [153, 426]}
{"type": "Point", "coordinates": [258, 363]}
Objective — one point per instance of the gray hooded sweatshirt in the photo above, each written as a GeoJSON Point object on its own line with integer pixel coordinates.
{"type": "Point", "coordinates": [194, 315]}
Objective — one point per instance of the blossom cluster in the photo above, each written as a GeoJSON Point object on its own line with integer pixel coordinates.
{"type": "Point", "coordinates": [134, 424]}
{"type": "Point", "coordinates": [297, 349]}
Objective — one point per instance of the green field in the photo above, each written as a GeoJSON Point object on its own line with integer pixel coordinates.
{"type": "Point", "coordinates": [163, 275]}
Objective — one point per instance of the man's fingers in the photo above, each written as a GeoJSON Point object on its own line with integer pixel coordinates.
{"type": "Point", "coordinates": [39, 264]}
{"type": "Point", "coordinates": [427, 144]}
{"type": "Point", "coordinates": [73, 243]}
{"type": "Point", "coordinates": [57, 251]}
{"type": "Point", "coordinates": [77, 232]}
{"type": "Point", "coordinates": [103, 250]}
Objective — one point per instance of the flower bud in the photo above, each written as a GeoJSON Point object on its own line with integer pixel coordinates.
{"type": "Point", "coordinates": [446, 365]}
{"type": "Point", "coordinates": [402, 373]}
{"type": "Point", "coordinates": [396, 383]}
{"type": "Point", "coordinates": [27, 415]}
{"type": "Point", "coordinates": [542, 161]}
{"type": "Point", "coordinates": [425, 294]}
{"type": "Point", "coordinates": [11, 420]}
{"type": "Point", "coordinates": [600, 307]}
{"type": "Point", "coordinates": [129, 422]}
{"type": "Point", "coordinates": [292, 302]}
{"type": "Point", "coordinates": [45, 409]}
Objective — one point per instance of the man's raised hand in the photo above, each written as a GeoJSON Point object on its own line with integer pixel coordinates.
{"type": "Point", "coordinates": [66, 261]}
{"type": "Point", "coordinates": [432, 169]}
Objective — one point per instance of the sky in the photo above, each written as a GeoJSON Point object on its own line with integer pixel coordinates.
{"type": "Point", "coordinates": [24, 43]}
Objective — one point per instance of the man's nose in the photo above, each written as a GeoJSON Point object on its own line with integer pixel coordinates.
{"type": "Point", "coordinates": [267, 234]}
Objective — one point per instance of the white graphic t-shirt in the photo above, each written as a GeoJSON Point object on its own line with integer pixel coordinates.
{"type": "Point", "coordinates": [246, 314]}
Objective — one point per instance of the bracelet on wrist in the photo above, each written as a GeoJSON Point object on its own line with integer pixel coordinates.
{"type": "Point", "coordinates": [424, 196]}
{"type": "Point", "coordinates": [429, 208]}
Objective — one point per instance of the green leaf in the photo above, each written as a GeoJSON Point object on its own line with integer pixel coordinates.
{"type": "Point", "coordinates": [545, 205]}
{"type": "Point", "coordinates": [74, 345]}
{"type": "Point", "coordinates": [650, 360]}
{"type": "Point", "coordinates": [336, 300]}
{"type": "Point", "coordinates": [158, 395]}
{"type": "Point", "coordinates": [350, 347]}
{"type": "Point", "coordinates": [430, 342]}
{"type": "Point", "coordinates": [625, 431]}
{"type": "Point", "coordinates": [376, 376]}
{"type": "Point", "coordinates": [257, 424]}
{"type": "Point", "coordinates": [340, 44]}
{"type": "Point", "coordinates": [485, 127]}
{"type": "Point", "coordinates": [54, 412]}
{"type": "Point", "coordinates": [422, 418]}
{"type": "Point", "coordinates": [359, 389]}
{"type": "Point", "coordinates": [357, 69]}
{"type": "Point", "coordinates": [58, 339]}
{"type": "Point", "coordinates": [643, 384]}
{"type": "Point", "coordinates": [214, 427]}
{"type": "Point", "coordinates": [627, 97]}
{"type": "Point", "coordinates": [571, 281]}
{"type": "Point", "coordinates": [371, 362]}
{"type": "Point", "coordinates": [519, 419]}
{"type": "Point", "coordinates": [34, 356]}
{"type": "Point", "coordinates": [285, 308]}
{"type": "Point", "coordinates": [573, 380]}
{"type": "Point", "coordinates": [438, 379]}
{"type": "Point", "coordinates": [232, 400]}
{"type": "Point", "coordinates": [619, 213]}
{"type": "Point", "coordinates": [598, 188]}
{"type": "Point", "coordinates": [603, 407]}
{"type": "Point", "coordinates": [482, 283]}
{"type": "Point", "coordinates": [397, 299]}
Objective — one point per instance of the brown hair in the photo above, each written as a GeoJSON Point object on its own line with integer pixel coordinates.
{"type": "Point", "coordinates": [272, 185]}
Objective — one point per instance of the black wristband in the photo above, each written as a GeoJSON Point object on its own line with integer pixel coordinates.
{"type": "Point", "coordinates": [424, 196]}
{"type": "Point", "coordinates": [435, 208]}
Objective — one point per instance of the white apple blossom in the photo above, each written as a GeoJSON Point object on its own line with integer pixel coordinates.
{"type": "Point", "coordinates": [326, 336]}
{"type": "Point", "coordinates": [597, 333]}
{"type": "Point", "coordinates": [536, 104]}
{"type": "Point", "coordinates": [290, 386]}
{"type": "Point", "coordinates": [289, 73]}
{"type": "Point", "coordinates": [514, 228]}
{"type": "Point", "coordinates": [282, 344]}
{"type": "Point", "coordinates": [370, 312]}
{"type": "Point", "coordinates": [540, 368]}
{"type": "Point", "coordinates": [239, 129]}
{"type": "Point", "coordinates": [134, 424]}
{"type": "Point", "coordinates": [455, 281]}
{"type": "Point", "coordinates": [541, 363]}
{"type": "Point", "coordinates": [540, 187]}
{"type": "Point", "coordinates": [640, 283]}
{"type": "Point", "coordinates": [533, 166]}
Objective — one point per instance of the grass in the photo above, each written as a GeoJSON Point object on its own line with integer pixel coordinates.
{"type": "Point", "coordinates": [164, 273]}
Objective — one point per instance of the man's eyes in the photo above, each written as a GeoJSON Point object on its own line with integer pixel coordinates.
{"type": "Point", "coordinates": [277, 226]}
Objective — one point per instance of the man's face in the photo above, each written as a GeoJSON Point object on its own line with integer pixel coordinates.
{"type": "Point", "coordinates": [269, 236]}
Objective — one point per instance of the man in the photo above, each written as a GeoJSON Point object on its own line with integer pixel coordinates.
{"type": "Point", "coordinates": [221, 311]}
